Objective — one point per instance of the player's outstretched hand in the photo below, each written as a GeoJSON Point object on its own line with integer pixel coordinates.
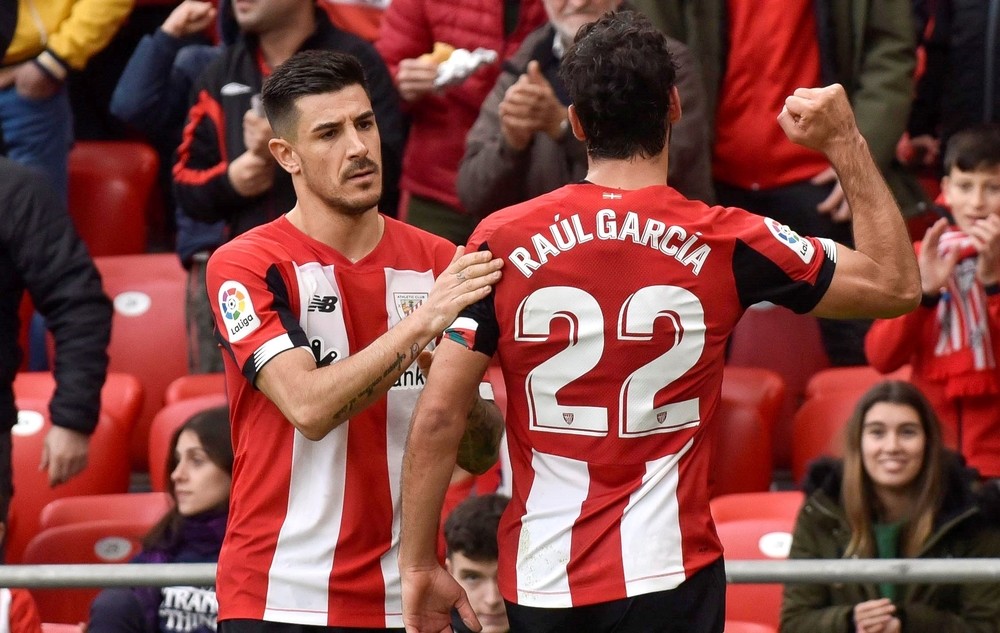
{"type": "Point", "coordinates": [429, 594]}
{"type": "Point", "coordinates": [467, 279]}
{"type": "Point", "coordinates": [819, 118]}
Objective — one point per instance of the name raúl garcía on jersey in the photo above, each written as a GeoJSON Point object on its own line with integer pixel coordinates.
{"type": "Point", "coordinates": [566, 234]}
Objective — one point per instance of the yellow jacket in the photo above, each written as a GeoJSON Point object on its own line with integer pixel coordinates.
{"type": "Point", "coordinates": [63, 34]}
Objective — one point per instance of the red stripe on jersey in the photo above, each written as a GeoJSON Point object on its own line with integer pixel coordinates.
{"type": "Point", "coordinates": [603, 508]}
{"type": "Point", "coordinates": [367, 518]}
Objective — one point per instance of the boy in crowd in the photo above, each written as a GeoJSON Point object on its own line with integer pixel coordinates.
{"type": "Point", "coordinates": [951, 340]}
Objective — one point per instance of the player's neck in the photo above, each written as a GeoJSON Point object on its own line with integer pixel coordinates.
{"type": "Point", "coordinates": [630, 174]}
{"type": "Point", "coordinates": [352, 235]}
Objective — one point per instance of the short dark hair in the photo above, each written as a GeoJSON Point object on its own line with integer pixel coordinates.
{"type": "Point", "coordinates": [471, 528]}
{"type": "Point", "coordinates": [618, 74]}
{"type": "Point", "coordinates": [307, 73]}
{"type": "Point", "coordinates": [972, 148]}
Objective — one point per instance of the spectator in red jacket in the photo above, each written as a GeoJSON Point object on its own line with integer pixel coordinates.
{"type": "Point", "coordinates": [441, 118]}
{"type": "Point", "coordinates": [952, 340]}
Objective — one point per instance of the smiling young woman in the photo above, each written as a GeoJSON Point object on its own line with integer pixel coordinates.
{"type": "Point", "coordinates": [897, 493]}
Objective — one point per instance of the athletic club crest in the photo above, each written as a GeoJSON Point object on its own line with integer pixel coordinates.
{"type": "Point", "coordinates": [407, 302]}
{"type": "Point", "coordinates": [568, 418]}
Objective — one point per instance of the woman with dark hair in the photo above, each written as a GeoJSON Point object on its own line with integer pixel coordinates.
{"type": "Point", "coordinates": [200, 468]}
{"type": "Point", "coordinates": [897, 493]}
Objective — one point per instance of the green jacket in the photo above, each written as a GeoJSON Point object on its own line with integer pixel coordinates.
{"type": "Point", "coordinates": [865, 45]}
{"type": "Point", "coordinates": [967, 526]}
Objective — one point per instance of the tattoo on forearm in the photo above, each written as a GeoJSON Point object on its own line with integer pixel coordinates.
{"type": "Point", "coordinates": [367, 392]}
{"type": "Point", "coordinates": [480, 445]}
{"type": "Point", "coordinates": [414, 351]}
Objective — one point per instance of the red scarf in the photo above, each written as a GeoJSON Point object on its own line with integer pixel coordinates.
{"type": "Point", "coordinates": [964, 357]}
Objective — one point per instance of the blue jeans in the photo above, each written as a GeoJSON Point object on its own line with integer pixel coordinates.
{"type": "Point", "coordinates": [39, 133]}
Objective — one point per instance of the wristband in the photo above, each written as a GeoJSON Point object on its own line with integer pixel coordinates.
{"type": "Point", "coordinates": [929, 301]}
{"type": "Point", "coordinates": [992, 289]}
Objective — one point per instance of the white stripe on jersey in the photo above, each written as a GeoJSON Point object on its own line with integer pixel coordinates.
{"type": "Point", "coordinates": [557, 493]}
{"type": "Point", "coordinates": [270, 349]}
{"type": "Point", "coordinates": [399, 286]}
{"type": "Point", "coordinates": [299, 577]}
{"type": "Point", "coordinates": [830, 248]}
{"type": "Point", "coordinates": [651, 532]}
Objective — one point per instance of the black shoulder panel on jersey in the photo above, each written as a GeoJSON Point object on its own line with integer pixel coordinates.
{"type": "Point", "coordinates": [483, 312]}
{"type": "Point", "coordinates": [760, 279]}
{"type": "Point", "coordinates": [289, 320]}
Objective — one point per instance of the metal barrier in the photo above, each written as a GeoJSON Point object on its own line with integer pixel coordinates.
{"type": "Point", "coordinates": [946, 570]}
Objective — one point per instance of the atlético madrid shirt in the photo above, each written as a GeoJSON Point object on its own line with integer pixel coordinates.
{"type": "Point", "coordinates": [610, 325]}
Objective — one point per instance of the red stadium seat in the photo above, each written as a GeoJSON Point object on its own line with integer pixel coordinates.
{"type": "Point", "coordinates": [110, 186]}
{"type": "Point", "coordinates": [741, 457]}
{"type": "Point", "coordinates": [147, 507]}
{"type": "Point", "coordinates": [121, 395]}
{"type": "Point", "coordinates": [755, 539]}
{"type": "Point", "coordinates": [195, 385]}
{"type": "Point", "coordinates": [107, 470]}
{"type": "Point", "coordinates": [94, 542]}
{"type": "Point", "coordinates": [763, 388]}
{"type": "Point", "coordinates": [148, 330]}
{"type": "Point", "coordinates": [775, 338]}
{"type": "Point", "coordinates": [818, 429]}
{"type": "Point", "coordinates": [162, 430]}
{"type": "Point", "coordinates": [775, 504]}
{"type": "Point", "coordinates": [856, 380]}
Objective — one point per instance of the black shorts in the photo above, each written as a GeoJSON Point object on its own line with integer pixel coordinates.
{"type": "Point", "coordinates": [260, 626]}
{"type": "Point", "coordinates": [698, 605]}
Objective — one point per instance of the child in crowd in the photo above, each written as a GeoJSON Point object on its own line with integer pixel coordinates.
{"type": "Point", "coordinates": [200, 467]}
{"type": "Point", "coordinates": [471, 536]}
{"type": "Point", "coordinates": [897, 493]}
{"type": "Point", "coordinates": [953, 339]}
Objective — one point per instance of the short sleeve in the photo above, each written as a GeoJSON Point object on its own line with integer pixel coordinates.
{"type": "Point", "coordinates": [252, 305]}
{"type": "Point", "coordinates": [771, 262]}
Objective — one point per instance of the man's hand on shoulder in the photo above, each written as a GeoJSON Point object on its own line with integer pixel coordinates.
{"type": "Point", "coordinates": [64, 454]}
{"type": "Point", "coordinates": [468, 278]}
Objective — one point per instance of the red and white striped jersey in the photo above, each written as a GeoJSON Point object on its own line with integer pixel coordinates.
{"type": "Point", "coordinates": [313, 526]}
{"type": "Point", "coordinates": [610, 325]}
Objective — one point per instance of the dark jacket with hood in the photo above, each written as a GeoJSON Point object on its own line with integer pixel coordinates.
{"type": "Point", "coordinates": [966, 526]}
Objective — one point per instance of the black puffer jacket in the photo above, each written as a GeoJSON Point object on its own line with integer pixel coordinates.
{"type": "Point", "coordinates": [967, 526]}
{"type": "Point", "coordinates": [40, 252]}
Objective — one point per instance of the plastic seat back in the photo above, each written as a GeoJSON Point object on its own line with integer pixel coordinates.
{"type": "Point", "coordinates": [741, 456]}
{"type": "Point", "coordinates": [194, 386]}
{"type": "Point", "coordinates": [107, 471]}
{"type": "Point", "coordinates": [110, 185]}
{"type": "Point", "coordinates": [121, 396]}
{"type": "Point", "coordinates": [148, 330]}
{"type": "Point", "coordinates": [775, 504]}
{"type": "Point", "coordinates": [146, 507]}
{"type": "Point", "coordinates": [92, 543]}
{"type": "Point", "coordinates": [789, 344]}
{"type": "Point", "coordinates": [856, 380]}
{"type": "Point", "coordinates": [818, 427]}
{"type": "Point", "coordinates": [755, 539]}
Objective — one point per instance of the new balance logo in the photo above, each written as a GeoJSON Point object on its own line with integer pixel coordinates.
{"type": "Point", "coordinates": [323, 303]}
